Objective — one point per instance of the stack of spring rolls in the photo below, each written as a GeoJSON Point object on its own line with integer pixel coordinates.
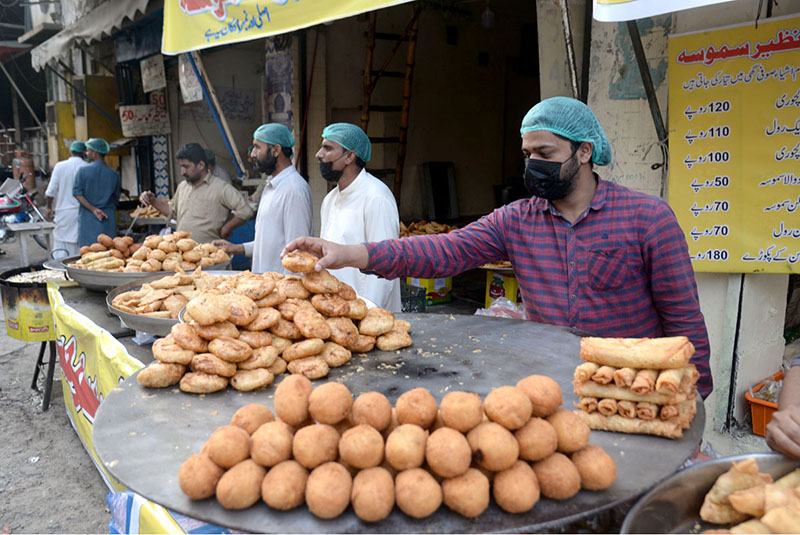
{"type": "Point", "coordinates": [637, 385]}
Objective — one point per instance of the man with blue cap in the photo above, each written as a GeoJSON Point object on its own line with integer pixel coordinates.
{"type": "Point", "coordinates": [360, 208]}
{"type": "Point", "coordinates": [284, 210]}
{"type": "Point", "coordinates": [66, 206]}
{"type": "Point", "coordinates": [587, 253]}
{"type": "Point", "coordinates": [97, 189]}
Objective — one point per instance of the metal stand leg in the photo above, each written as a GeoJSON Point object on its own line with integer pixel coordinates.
{"type": "Point", "coordinates": [38, 364]}
{"type": "Point", "coordinates": [23, 249]}
{"type": "Point", "coordinates": [51, 366]}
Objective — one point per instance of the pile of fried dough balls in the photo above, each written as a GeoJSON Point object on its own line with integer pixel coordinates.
{"type": "Point", "coordinates": [328, 451]}
{"type": "Point", "coordinates": [173, 252]}
{"type": "Point", "coordinates": [248, 328]}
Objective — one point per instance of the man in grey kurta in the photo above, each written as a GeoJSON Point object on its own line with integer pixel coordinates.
{"type": "Point", "coordinates": [97, 189]}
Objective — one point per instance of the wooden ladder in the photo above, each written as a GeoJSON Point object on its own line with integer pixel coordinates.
{"type": "Point", "coordinates": [371, 78]}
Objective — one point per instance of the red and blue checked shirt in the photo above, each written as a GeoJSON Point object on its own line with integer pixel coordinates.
{"type": "Point", "coordinates": [621, 270]}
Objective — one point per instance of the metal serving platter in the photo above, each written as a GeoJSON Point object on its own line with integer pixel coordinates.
{"type": "Point", "coordinates": [673, 506]}
{"type": "Point", "coordinates": [100, 281]}
{"type": "Point", "coordinates": [155, 326]}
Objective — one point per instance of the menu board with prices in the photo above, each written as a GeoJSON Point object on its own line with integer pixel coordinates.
{"type": "Point", "coordinates": [734, 140]}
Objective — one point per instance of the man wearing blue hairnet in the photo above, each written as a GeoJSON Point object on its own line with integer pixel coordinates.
{"type": "Point", "coordinates": [284, 209]}
{"type": "Point", "coordinates": [65, 207]}
{"type": "Point", "coordinates": [97, 189]}
{"type": "Point", "coordinates": [587, 253]}
{"type": "Point", "coordinates": [360, 208]}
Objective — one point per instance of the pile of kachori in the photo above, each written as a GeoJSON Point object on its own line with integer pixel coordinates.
{"type": "Point", "coordinates": [323, 449]}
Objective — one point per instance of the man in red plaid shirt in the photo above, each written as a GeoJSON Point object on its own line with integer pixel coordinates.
{"type": "Point", "coordinates": [587, 253]}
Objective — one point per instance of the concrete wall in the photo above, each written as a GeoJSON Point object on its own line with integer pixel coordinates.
{"type": "Point", "coordinates": [618, 99]}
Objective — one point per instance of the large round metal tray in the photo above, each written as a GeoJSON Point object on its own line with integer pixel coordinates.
{"type": "Point", "coordinates": [100, 281]}
{"type": "Point", "coordinates": [155, 326]}
{"type": "Point", "coordinates": [673, 506]}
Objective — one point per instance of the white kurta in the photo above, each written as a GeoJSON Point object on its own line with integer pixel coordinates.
{"type": "Point", "coordinates": [65, 205]}
{"type": "Point", "coordinates": [365, 211]}
{"type": "Point", "coordinates": [284, 213]}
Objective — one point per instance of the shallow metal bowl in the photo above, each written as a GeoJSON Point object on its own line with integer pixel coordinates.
{"type": "Point", "coordinates": [673, 506]}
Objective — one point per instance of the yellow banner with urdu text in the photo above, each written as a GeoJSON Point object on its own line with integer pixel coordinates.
{"type": "Point", "coordinates": [197, 24]}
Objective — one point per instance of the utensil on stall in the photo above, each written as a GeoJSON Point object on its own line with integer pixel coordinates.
{"type": "Point", "coordinates": [130, 227]}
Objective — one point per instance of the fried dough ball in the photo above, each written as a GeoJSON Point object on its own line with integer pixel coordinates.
{"type": "Point", "coordinates": [243, 309]}
{"type": "Point", "coordinates": [320, 282]}
{"type": "Point", "coordinates": [516, 489]}
{"type": "Point", "coordinates": [343, 331]}
{"type": "Point", "coordinates": [255, 339]}
{"type": "Point", "coordinates": [223, 329]}
{"type": "Point", "coordinates": [272, 299]}
{"type": "Point", "coordinates": [272, 443]}
{"type": "Point", "coordinates": [248, 380]}
{"type": "Point", "coordinates": [311, 323]}
{"type": "Point", "coordinates": [280, 344]}
{"type": "Point", "coordinates": [187, 266]}
{"type": "Point", "coordinates": [373, 494]}
{"type": "Point", "coordinates": [356, 309]}
{"type": "Point", "coordinates": [393, 340]}
{"type": "Point", "coordinates": [461, 410]}
{"type": "Point", "coordinates": [228, 445]}
{"type": "Point", "coordinates": [186, 244]}
{"type": "Point", "coordinates": [334, 355]}
{"type": "Point", "coordinates": [97, 248]}
{"type": "Point", "coordinates": [467, 494]}
{"type": "Point", "coordinates": [192, 256]}
{"type": "Point", "coordinates": [179, 235]}
{"type": "Point", "coordinates": [105, 240]}
{"type": "Point", "coordinates": [278, 367]}
{"type": "Point", "coordinates": [159, 374]}
{"type": "Point", "coordinates": [303, 349]}
{"type": "Point", "coordinates": [284, 486]}
{"type": "Point", "coordinates": [152, 241]}
{"type": "Point", "coordinates": [299, 261]}
{"type": "Point", "coordinates": [212, 364]}
{"type": "Point", "coordinates": [372, 408]}
{"type": "Point", "coordinates": [263, 357]}
{"type": "Point", "coordinates": [150, 265]}
{"type": "Point", "coordinates": [346, 292]}
{"type": "Point", "coordinates": [537, 439]}
{"type": "Point", "coordinates": [83, 250]}
{"type": "Point", "coordinates": [202, 383]}
{"type": "Point", "coordinates": [240, 487]}
{"type": "Point", "coordinates": [328, 490]}
{"type": "Point", "coordinates": [330, 403]}
{"type": "Point", "coordinates": [405, 447]}
{"type": "Point", "coordinates": [230, 349]}
{"type": "Point", "coordinates": [508, 406]}
{"type": "Point", "coordinates": [255, 287]}
{"type": "Point", "coordinates": [493, 446]}
{"type": "Point", "coordinates": [544, 393]}
{"type": "Point", "coordinates": [311, 367]}
{"type": "Point", "coordinates": [417, 494]}
{"type": "Point", "coordinates": [315, 444]}
{"type": "Point", "coordinates": [266, 318]}
{"type": "Point", "coordinates": [558, 477]}
{"type": "Point", "coordinates": [157, 255]}
{"type": "Point", "coordinates": [186, 337]}
{"type": "Point", "coordinates": [330, 304]}
{"type": "Point", "coordinates": [377, 322]}
{"type": "Point", "coordinates": [363, 344]}
{"type": "Point", "coordinates": [417, 406]}
{"type": "Point", "coordinates": [141, 253]}
{"type": "Point", "coordinates": [596, 468]}
{"type": "Point", "coordinates": [291, 399]}
{"type": "Point", "coordinates": [286, 329]}
{"type": "Point", "coordinates": [292, 287]}
{"type": "Point", "coordinates": [207, 309]}
{"type": "Point", "coordinates": [448, 453]}
{"type": "Point", "coordinates": [174, 303]}
{"type": "Point", "coordinates": [251, 417]}
{"type": "Point", "coordinates": [361, 446]}
{"type": "Point", "coordinates": [571, 430]}
{"type": "Point", "coordinates": [167, 246]}
{"type": "Point", "coordinates": [198, 476]}
{"type": "Point", "coordinates": [167, 350]}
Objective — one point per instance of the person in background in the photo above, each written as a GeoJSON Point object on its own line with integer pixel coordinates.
{"type": "Point", "coordinates": [783, 430]}
{"type": "Point", "coordinates": [204, 205]}
{"type": "Point", "coordinates": [360, 208]}
{"type": "Point", "coordinates": [284, 209]}
{"type": "Point", "coordinates": [97, 189]}
{"type": "Point", "coordinates": [587, 253]}
{"type": "Point", "coordinates": [217, 170]}
{"type": "Point", "coordinates": [64, 210]}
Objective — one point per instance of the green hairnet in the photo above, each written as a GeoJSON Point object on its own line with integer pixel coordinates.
{"type": "Point", "coordinates": [274, 134]}
{"type": "Point", "coordinates": [77, 146]}
{"type": "Point", "coordinates": [98, 145]}
{"type": "Point", "coordinates": [571, 119]}
{"type": "Point", "coordinates": [350, 137]}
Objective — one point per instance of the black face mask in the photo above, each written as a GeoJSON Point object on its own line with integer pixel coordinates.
{"type": "Point", "coordinates": [266, 165]}
{"type": "Point", "coordinates": [543, 178]}
{"type": "Point", "coordinates": [328, 172]}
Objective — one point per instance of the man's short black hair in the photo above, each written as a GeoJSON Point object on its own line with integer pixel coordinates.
{"type": "Point", "coordinates": [81, 154]}
{"type": "Point", "coordinates": [361, 164]}
{"type": "Point", "coordinates": [287, 151]}
{"type": "Point", "coordinates": [194, 153]}
{"type": "Point", "coordinates": [575, 145]}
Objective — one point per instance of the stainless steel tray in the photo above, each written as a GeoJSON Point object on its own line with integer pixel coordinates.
{"type": "Point", "coordinates": [155, 326]}
{"type": "Point", "coordinates": [673, 506]}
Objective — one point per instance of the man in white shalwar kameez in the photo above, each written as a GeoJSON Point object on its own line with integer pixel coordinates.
{"type": "Point", "coordinates": [284, 210]}
{"type": "Point", "coordinates": [361, 208]}
{"type": "Point", "coordinates": [62, 204]}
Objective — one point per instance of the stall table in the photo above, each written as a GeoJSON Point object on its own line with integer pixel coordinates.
{"type": "Point", "coordinates": [143, 435]}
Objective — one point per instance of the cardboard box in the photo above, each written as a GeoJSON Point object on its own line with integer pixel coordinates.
{"type": "Point", "coordinates": [501, 284]}
{"type": "Point", "coordinates": [437, 290]}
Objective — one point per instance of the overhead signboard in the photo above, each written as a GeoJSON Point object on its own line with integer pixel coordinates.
{"type": "Point", "coordinates": [197, 24]}
{"type": "Point", "coordinates": [144, 120]}
{"type": "Point", "coordinates": [734, 144]}
{"type": "Point", "coordinates": [621, 10]}
{"type": "Point", "coordinates": [153, 76]}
